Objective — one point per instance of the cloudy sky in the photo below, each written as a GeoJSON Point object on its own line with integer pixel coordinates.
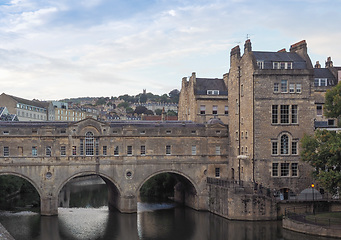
{"type": "Point", "coordinates": [54, 49]}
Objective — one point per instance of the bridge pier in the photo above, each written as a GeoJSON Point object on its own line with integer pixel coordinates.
{"type": "Point", "coordinates": [49, 206]}
{"type": "Point", "coordinates": [124, 204]}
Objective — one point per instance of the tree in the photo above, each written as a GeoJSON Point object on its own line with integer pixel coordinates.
{"type": "Point", "coordinates": [123, 105]}
{"type": "Point", "coordinates": [174, 95]}
{"type": "Point", "coordinates": [323, 152]}
{"type": "Point", "coordinates": [332, 106]}
{"type": "Point", "coordinates": [140, 109]}
{"type": "Point", "coordinates": [158, 111]}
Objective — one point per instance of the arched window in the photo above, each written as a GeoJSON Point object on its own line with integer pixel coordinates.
{"type": "Point", "coordinates": [89, 144]}
{"type": "Point", "coordinates": [284, 144]}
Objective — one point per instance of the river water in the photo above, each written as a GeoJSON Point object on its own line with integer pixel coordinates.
{"type": "Point", "coordinates": [91, 219]}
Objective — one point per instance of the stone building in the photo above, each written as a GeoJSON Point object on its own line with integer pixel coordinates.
{"type": "Point", "coordinates": [274, 98]}
{"type": "Point", "coordinates": [202, 99]}
{"type": "Point", "coordinates": [26, 110]}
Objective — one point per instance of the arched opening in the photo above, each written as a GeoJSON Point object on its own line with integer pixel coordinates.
{"type": "Point", "coordinates": [18, 192]}
{"type": "Point", "coordinates": [168, 186]}
{"type": "Point", "coordinates": [88, 191]}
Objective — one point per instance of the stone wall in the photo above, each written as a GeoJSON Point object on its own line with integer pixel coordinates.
{"type": "Point", "coordinates": [237, 204]}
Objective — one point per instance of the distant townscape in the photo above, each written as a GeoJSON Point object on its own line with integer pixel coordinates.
{"type": "Point", "coordinates": [144, 106]}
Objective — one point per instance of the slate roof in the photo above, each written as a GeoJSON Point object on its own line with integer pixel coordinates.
{"type": "Point", "coordinates": [204, 84]}
{"type": "Point", "coordinates": [325, 73]}
{"type": "Point", "coordinates": [269, 57]}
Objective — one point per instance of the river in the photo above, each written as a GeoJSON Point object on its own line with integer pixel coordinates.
{"type": "Point", "coordinates": [86, 216]}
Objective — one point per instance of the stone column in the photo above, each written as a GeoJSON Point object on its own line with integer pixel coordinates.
{"type": "Point", "coordinates": [127, 204]}
{"type": "Point", "coordinates": [49, 206]}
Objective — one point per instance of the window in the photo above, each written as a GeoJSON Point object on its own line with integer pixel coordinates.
{"type": "Point", "coordinates": [97, 146]}
{"type": "Point", "coordinates": [168, 131]}
{"type": "Point", "coordinates": [260, 64]}
{"type": "Point", "coordinates": [289, 65]}
{"type": "Point", "coordinates": [284, 113]}
{"type": "Point", "coordinates": [212, 92]}
{"type": "Point", "coordinates": [237, 136]}
{"type": "Point", "coordinates": [274, 148]}
{"type": "Point", "coordinates": [284, 144]}
{"type": "Point", "coordinates": [294, 169]}
{"type": "Point", "coordinates": [298, 88]}
{"type": "Point", "coordinates": [74, 150]}
{"type": "Point", "coordinates": [89, 144]}
{"type": "Point", "coordinates": [194, 150]}
{"type": "Point", "coordinates": [282, 65]}
{"type": "Point", "coordinates": [215, 110]}
{"type": "Point", "coordinates": [284, 169]}
{"type": "Point", "coordinates": [217, 150]}
{"type": "Point", "coordinates": [275, 65]}
{"type": "Point", "coordinates": [217, 172]}
{"type": "Point", "coordinates": [34, 151]}
{"type": "Point", "coordinates": [143, 150]}
{"type": "Point", "coordinates": [246, 134]}
{"type": "Point", "coordinates": [48, 151]}
{"type": "Point", "coordinates": [319, 110]}
{"type": "Point", "coordinates": [62, 150]}
{"type": "Point", "coordinates": [276, 87]}
{"type": "Point", "coordinates": [318, 82]}
{"type": "Point", "coordinates": [242, 151]}
{"type": "Point", "coordinates": [6, 151]}
{"type": "Point", "coordinates": [294, 114]}
{"type": "Point", "coordinates": [168, 150]}
{"type": "Point", "coordinates": [202, 109]}
{"type": "Point", "coordinates": [294, 148]}
{"type": "Point", "coordinates": [291, 88]}
{"type": "Point", "coordinates": [331, 122]}
{"type": "Point", "coordinates": [81, 147]}
{"type": "Point", "coordinates": [116, 152]}
{"type": "Point", "coordinates": [5, 132]}
{"type": "Point", "coordinates": [242, 90]}
{"type": "Point", "coordinates": [226, 110]}
{"type": "Point", "coordinates": [105, 149]}
{"type": "Point", "coordinates": [129, 150]}
{"type": "Point", "coordinates": [274, 114]}
{"type": "Point", "coordinates": [284, 86]}
{"type": "Point", "coordinates": [274, 169]}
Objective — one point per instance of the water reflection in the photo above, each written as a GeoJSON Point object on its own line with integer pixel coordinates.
{"type": "Point", "coordinates": [152, 222]}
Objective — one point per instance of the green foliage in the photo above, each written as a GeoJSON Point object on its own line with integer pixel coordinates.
{"type": "Point", "coordinates": [123, 105]}
{"type": "Point", "coordinates": [332, 106]}
{"type": "Point", "coordinates": [140, 109]}
{"type": "Point", "coordinates": [159, 187]}
{"type": "Point", "coordinates": [101, 101]}
{"type": "Point", "coordinates": [171, 113]}
{"type": "Point", "coordinates": [323, 152]}
{"type": "Point", "coordinates": [158, 111]}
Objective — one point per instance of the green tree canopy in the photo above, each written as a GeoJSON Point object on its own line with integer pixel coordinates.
{"type": "Point", "coordinates": [332, 106]}
{"type": "Point", "coordinates": [323, 152]}
{"type": "Point", "coordinates": [140, 109]}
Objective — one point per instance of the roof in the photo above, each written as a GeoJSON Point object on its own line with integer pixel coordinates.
{"type": "Point", "coordinates": [297, 60]}
{"type": "Point", "coordinates": [323, 73]}
{"type": "Point", "coordinates": [204, 84]}
{"type": "Point", "coordinates": [30, 102]}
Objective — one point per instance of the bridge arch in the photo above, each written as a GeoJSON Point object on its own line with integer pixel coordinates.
{"type": "Point", "coordinates": [186, 191]}
{"type": "Point", "coordinates": [31, 181]}
{"type": "Point", "coordinates": [188, 178]}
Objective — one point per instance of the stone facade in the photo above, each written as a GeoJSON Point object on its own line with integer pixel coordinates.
{"type": "Point", "coordinates": [274, 98]}
{"type": "Point", "coordinates": [202, 99]}
{"type": "Point", "coordinates": [124, 154]}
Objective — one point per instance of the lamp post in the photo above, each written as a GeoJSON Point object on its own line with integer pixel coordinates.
{"type": "Point", "coordinates": [312, 190]}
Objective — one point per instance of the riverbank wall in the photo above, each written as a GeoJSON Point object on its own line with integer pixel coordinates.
{"type": "Point", "coordinates": [240, 203]}
{"type": "Point", "coordinates": [4, 234]}
{"type": "Point", "coordinates": [311, 229]}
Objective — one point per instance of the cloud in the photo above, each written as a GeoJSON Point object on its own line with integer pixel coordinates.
{"type": "Point", "coordinates": [102, 47]}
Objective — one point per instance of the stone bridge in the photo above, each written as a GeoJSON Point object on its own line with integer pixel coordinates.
{"type": "Point", "coordinates": [124, 154]}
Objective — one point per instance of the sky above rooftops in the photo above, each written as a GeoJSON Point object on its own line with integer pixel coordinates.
{"type": "Point", "coordinates": [54, 49]}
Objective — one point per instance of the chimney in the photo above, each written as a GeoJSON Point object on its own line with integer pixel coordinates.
{"type": "Point", "coordinates": [317, 65]}
{"type": "Point", "coordinates": [234, 56]}
{"type": "Point", "coordinates": [329, 62]}
{"type": "Point", "coordinates": [247, 46]}
{"type": "Point", "coordinates": [301, 49]}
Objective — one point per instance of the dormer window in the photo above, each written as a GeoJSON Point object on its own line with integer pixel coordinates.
{"type": "Point", "coordinates": [282, 65]}
{"type": "Point", "coordinates": [212, 92]}
{"type": "Point", "coordinates": [260, 64]}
